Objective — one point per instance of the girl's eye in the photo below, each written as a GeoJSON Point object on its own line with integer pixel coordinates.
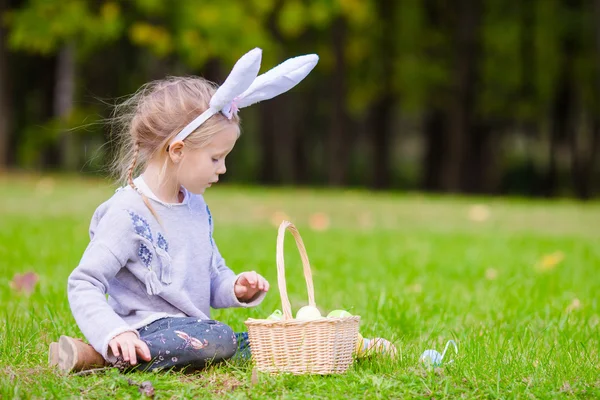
{"type": "Point", "coordinates": [215, 160]}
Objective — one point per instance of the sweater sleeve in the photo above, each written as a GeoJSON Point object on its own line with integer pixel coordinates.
{"type": "Point", "coordinates": [108, 252]}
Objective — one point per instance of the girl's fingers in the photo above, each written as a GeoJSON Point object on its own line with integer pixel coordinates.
{"type": "Point", "coordinates": [263, 284]}
{"type": "Point", "coordinates": [144, 351]}
{"type": "Point", "coordinates": [114, 346]}
{"type": "Point", "coordinates": [241, 290]}
{"type": "Point", "coordinates": [124, 351]}
{"type": "Point", "coordinates": [132, 354]}
{"type": "Point", "coordinates": [253, 280]}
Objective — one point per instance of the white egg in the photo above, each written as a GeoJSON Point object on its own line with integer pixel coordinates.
{"type": "Point", "coordinates": [308, 312]}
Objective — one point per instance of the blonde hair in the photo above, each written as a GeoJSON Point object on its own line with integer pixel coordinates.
{"type": "Point", "coordinates": [146, 122]}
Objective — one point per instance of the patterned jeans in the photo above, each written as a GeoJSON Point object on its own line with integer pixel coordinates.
{"type": "Point", "coordinates": [188, 342]}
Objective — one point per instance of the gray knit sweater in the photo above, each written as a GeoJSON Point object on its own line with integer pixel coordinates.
{"type": "Point", "coordinates": [148, 270]}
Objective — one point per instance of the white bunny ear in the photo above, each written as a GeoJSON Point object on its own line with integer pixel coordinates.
{"type": "Point", "coordinates": [278, 80]}
{"type": "Point", "coordinates": [240, 78]}
{"type": "Point", "coordinates": [243, 88]}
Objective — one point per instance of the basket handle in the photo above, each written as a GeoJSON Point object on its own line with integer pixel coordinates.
{"type": "Point", "coordinates": [285, 302]}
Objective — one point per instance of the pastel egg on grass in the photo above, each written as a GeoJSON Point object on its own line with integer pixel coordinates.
{"type": "Point", "coordinates": [375, 346]}
{"type": "Point", "coordinates": [431, 359]}
{"type": "Point", "coordinates": [383, 347]}
{"type": "Point", "coordinates": [360, 346]}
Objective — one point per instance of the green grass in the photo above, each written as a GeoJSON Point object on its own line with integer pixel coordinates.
{"type": "Point", "coordinates": [417, 269]}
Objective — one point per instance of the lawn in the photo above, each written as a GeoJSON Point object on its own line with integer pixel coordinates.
{"type": "Point", "coordinates": [514, 282]}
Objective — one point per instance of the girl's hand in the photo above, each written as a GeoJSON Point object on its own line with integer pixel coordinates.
{"type": "Point", "coordinates": [129, 345]}
{"type": "Point", "coordinates": [248, 285]}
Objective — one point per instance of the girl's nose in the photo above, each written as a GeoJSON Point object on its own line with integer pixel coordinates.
{"type": "Point", "coordinates": [222, 168]}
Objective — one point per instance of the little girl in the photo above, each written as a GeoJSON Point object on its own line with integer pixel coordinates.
{"type": "Point", "coordinates": [145, 284]}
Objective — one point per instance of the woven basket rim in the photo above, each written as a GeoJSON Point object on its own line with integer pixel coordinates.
{"type": "Point", "coordinates": [319, 321]}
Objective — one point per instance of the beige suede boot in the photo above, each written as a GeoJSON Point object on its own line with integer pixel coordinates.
{"type": "Point", "coordinates": [74, 355]}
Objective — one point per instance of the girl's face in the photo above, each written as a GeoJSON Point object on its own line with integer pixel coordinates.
{"type": "Point", "coordinates": [200, 168]}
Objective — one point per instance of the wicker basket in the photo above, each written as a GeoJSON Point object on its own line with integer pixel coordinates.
{"type": "Point", "coordinates": [321, 346]}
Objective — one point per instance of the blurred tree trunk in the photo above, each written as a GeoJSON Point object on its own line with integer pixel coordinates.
{"type": "Point", "coordinates": [479, 162]}
{"type": "Point", "coordinates": [461, 129]}
{"type": "Point", "coordinates": [382, 109]}
{"type": "Point", "coordinates": [300, 151]}
{"type": "Point", "coordinates": [381, 136]}
{"type": "Point", "coordinates": [563, 107]}
{"type": "Point", "coordinates": [479, 159]}
{"type": "Point", "coordinates": [560, 124]}
{"type": "Point", "coordinates": [64, 93]}
{"type": "Point", "coordinates": [285, 131]}
{"type": "Point", "coordinates": [307, 124]}
{"type": "Point", "coordinates": [527, 50]}
{"type": "Point", "coordinates": [267, 141]}
{"type": "Point", "coordinates": [585, 147]}
{"type": "Point", "coordinates": [5, 113]}
{"type": "Point", "coordinates": [435, 122]}
{"type": "Point", "coordinates": [478, 156]}
{"type": "Point", "coordinates": [340, 141]}
{"type": "Point", "coordinates": [267, 173]}
{"type": "Point", "coordinates": [277, 140]}
{"type": "Point", "coordinates": [434, 129]}
{"type": "Point", "coordinates": [578, 136]}
{"type": "Point", "coordinates": [595, 149]}
{"type": "Point", "coordinates": [596, 112]}
{"type": "Point", "coordinates": [529, 126]}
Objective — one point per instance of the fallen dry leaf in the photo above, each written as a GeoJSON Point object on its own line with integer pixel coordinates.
{"type": "Point", "coordinates": [575, 305]}
{"type": "Point", "coordinates": [491, 274]}
{"type": "Point", "coordinates": [254, 378]}
{"type": "Point", "coordinates": [566, 388]}
{"type": "Point", "coordinates": [479, 213]}
{"type": "Point", "coordinates": [319, 222]}
{"type": "Point", "coordinates": [365, 220]}
{"type": "Point", "coordinates": [550, 261]}
{"type": "Point", "coordinates": [415, 288]}
{"type": "Point", "coordinates": [45, 186]}
{"type": "Point", "coordinates": [145, 388]}
{"type": "Point", "coordinates": [24, 283]}
{"type": "Point", "coordinates": [278, 217]}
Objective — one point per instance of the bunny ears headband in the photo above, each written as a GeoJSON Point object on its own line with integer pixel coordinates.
{"type": "Point", "coordinates": [243, 87]}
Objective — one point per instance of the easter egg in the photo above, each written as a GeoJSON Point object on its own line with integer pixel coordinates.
{"type": "Point", "coordinates": [339, 314]}
{"type": "Point", "coordinates": [360, 345]}
{"type": "Point", "coordinates": [308, 312]}
{"type": "Point", "coordinates": [276, 316]}
{"type": "Point", "coordinates": [431, 358]}
{"type": "Point", "coordinates": [383, 347]}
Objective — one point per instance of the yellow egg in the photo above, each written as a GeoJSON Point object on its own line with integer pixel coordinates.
{"type": "Point", "coordinates": [360, 343]}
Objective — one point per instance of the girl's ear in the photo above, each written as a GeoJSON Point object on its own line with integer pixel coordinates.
{"type": "Point", "coordinates": [175, 151]}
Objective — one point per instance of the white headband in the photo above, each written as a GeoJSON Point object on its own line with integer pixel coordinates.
{"type": "Point", "coordinates": [243, 87]}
